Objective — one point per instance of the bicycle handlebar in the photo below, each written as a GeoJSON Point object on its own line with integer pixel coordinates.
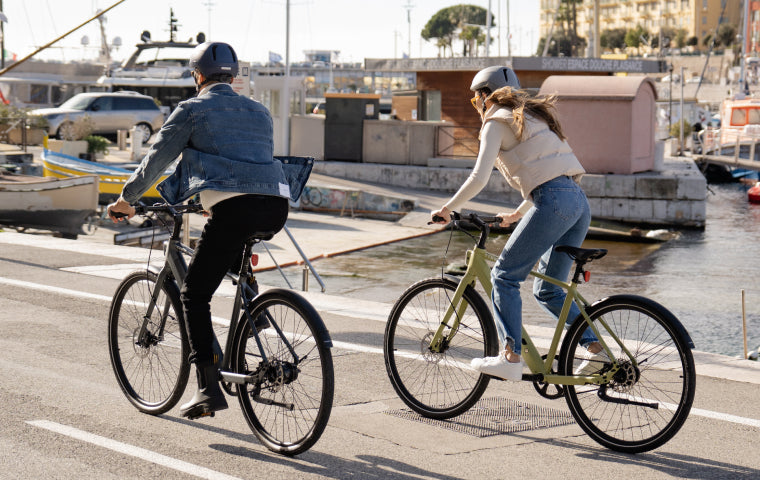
{"type": "Point", "coordinates": [172, 209]}
{"type": "Point", "coordinates": [482, 222]}
{"type": "Point", "coordinates": [479, 220]}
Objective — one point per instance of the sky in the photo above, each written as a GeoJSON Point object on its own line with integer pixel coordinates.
{"type": "Point", "coordinates": [359, 29]}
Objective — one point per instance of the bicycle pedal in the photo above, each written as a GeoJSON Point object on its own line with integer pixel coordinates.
{"type": "Point", "coordinates": [198, 412]}
{"type": "Point", "coordinates": [201, 414]}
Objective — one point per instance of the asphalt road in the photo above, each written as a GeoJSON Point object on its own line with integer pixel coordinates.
{"type": "Point", "coordinates": [64, 415]}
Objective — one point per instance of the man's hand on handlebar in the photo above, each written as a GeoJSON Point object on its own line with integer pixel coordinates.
{"type": "Point", "coordinates": [120, 209]}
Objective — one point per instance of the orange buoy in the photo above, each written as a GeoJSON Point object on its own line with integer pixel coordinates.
{"type": "Point", "coordinates": [753, 194]}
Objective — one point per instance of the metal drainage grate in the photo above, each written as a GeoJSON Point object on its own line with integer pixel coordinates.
{"type": "Point", "coordinates": [495, 416]}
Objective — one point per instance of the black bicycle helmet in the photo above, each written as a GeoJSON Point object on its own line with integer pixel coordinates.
{"type": "Point", "coordinates": [214, 58]}
{"type": "Point", "coordinates": [493, 78]}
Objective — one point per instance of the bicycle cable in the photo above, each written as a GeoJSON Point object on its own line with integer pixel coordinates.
{"type": "Point", "coordinates": [454, 225]}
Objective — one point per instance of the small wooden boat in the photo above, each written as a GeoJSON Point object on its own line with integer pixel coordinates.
{"type": "Point", "coordinates": [58, 205]}
{"type": "Point", "coordinates": [111, 177]}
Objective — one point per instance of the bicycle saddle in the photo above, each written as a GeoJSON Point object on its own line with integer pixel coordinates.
{"type": "Point", "coordinates": [582, 255]}
{"type": "Point", "coordinates": [261, 236]}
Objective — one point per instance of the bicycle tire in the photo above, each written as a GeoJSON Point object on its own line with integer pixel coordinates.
{"type": "Point", "coordinates": [662, 386]}
{"type": "Point", "coordinates": [308, 389]}
{"type": "Point", "coordinates": [437, 385]}
{"type": "Point", "coordinates": [153, 377]}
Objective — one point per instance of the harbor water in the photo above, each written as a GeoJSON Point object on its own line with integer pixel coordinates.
{"type": "Point", "coordinates": [699, 276]}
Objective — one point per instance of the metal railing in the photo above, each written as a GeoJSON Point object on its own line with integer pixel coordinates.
{"type": "Point", "coordinates": [454, 141]}
{"type": "Point", "coordinates": [13, 130]}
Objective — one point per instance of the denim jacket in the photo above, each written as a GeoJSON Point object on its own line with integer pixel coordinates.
{"type": "Point", "coordinates": [226, 145]}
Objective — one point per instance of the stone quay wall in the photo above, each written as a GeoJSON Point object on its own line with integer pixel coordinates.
{"type": "Point", "coordinates": [672, 196]}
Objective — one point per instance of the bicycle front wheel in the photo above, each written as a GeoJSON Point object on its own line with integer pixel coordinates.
{"type": "Point", "coordinates": [288, 404]}
{"type": "Point", "coordinates": [649, 398]}
{"type": "Point", "coordinates": [148, 353]}
{"type": "Point", "coordinates": [438, 384]}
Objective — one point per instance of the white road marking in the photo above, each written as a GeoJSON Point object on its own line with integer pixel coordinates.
{"type": "Point", "coordinates": [127, 449]}
{"type": "Point", "coordinates": [342, 345]}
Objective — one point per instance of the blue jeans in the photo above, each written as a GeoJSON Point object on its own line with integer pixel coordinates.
{"type": "Point", "coordinates": [560, 216]}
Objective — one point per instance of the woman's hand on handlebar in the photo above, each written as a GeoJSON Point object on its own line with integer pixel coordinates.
{"type": "Point", "coordinates": [508, 219]}
{"type": "Point", "coordinates": [120, 209]}
{"type": "Point", "coordinates": [442, 215]}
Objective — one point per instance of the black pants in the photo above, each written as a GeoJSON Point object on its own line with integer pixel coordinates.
{"type": "Point", "coordinates": [231, 223]}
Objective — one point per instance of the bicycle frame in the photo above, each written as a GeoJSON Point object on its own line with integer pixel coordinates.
{"type": "Point", "coordinates": [175, 267]}
{"type": "Point", "coordinates": [479, 270]}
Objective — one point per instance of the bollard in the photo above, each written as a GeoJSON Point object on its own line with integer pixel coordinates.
{"type": "Point", "coordinates": [305, 283]}
{"type": "Point", "coordinates": [744, 326]}
{"type": "Point", "coordinates": [136, 145]}
{"type": "Point", "coordinates": [121, 139]}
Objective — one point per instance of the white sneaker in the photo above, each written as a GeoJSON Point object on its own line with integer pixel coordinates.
{"type": "Point", "coordinates": [498, 366]}
{"type": "Point", "coordinates": [592, 363]}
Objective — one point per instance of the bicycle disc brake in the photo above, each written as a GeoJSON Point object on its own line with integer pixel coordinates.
{"type": "Point", "coordinates": [549, 390]}
{"type": "Point", "coordinates": [429, 355]}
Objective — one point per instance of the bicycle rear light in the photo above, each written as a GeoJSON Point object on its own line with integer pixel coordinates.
{"type": "Point", "coordinates": [254, 259]}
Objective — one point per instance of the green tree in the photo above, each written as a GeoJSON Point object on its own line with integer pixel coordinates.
{"type": "Point", "coordinates": [568, 18]}
{"type": "Point", "coordinates": [561, 45]}
{"type": "Point", "coordinates": [613, 38]}
{"type": "Point", "coordinates": [635, 36]}
{"type": "Point", "coordinates": [469, 36]}
{"type": "Point", "coordinates": [458, 21]}
{"type": "Point", "coordinates": [725, 35]}
{"type": "Point", "coordinates": [671, 38]}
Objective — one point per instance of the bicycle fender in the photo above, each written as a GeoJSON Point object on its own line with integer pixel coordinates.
{"type": "Point", "coordinates": [651, 304]}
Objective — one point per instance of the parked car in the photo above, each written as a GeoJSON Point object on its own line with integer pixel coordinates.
{"type": "Point", "coordinates": [667, 78]}
{"type": "Point", "coordinates": [108, 111]}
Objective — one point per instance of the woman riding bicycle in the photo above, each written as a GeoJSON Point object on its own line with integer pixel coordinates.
{"type": "Point", "coordinates": [226, 143]}
{"type": "Point", "coordinates": [522, 137]}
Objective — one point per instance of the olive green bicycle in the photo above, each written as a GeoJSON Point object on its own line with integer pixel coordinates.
{"type": "Point", "coordinates": [632, 398]}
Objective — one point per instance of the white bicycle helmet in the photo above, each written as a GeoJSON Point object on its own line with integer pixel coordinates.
{"type": "Point", "coordinates": [493, 78]}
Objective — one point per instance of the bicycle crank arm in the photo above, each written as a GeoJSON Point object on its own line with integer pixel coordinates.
{"type": "Point", "coordinates": [269, 401]}
{"type": "Point", "coordinates": [602, 393]}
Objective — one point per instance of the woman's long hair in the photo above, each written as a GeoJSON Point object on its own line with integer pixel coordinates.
{"type": "Point", "coordinates": [520, 103]}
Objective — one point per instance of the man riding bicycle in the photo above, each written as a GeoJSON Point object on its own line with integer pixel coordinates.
{"type": "Point", "coordinates": [226, 146]}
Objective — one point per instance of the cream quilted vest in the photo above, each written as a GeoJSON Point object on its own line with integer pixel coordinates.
{"type": "Point", "coordinates": [538, 158]}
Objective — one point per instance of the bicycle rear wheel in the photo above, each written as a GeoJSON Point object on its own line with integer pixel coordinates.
{"type": "Point", "coordinates": [437, 385]}
{"type": "Point", "coordinates": [152, 367]}
{"type": "Point", "coordinates": [646, 403]}
{"type": "Point", "coordinates": [289, 405]}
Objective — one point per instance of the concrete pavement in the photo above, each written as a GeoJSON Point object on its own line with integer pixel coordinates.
{"type": "Point", "coordinates": [320, 236]}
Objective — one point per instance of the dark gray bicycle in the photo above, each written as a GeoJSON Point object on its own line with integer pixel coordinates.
{"type": "Point", "coordinates": [276, 360]}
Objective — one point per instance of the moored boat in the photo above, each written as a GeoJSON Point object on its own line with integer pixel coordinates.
{"type": "Point", "coordinates": [731, 153]}
{"type": "Point", "coordinates": [111, 177]}
{"type": "Point", "coordinates": [58, 205]}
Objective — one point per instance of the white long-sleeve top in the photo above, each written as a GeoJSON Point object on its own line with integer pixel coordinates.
{"type": "Point", "coordinates": [539, 157]}
{"type": "Point", "coordinates": [494, 137]}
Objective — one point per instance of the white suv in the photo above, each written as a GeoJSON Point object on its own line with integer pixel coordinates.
{"type": "Point", "coordinates": [109, 112]}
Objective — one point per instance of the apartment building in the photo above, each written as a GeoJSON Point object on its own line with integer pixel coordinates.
{"type": "Point", "coordinates": [698, 17]}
